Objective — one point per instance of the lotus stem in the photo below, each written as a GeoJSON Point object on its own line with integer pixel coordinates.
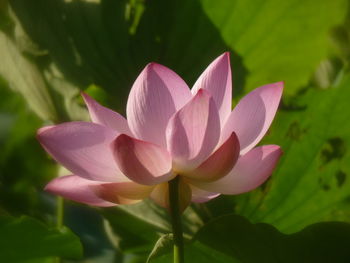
{"type": "Point", "coordinates": [175, 215]}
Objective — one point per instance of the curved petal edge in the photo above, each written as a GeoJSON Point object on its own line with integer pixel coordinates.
{"type": "Point", "coordinates": [250, 171]}
{"type": "Point", "coordinates": [142, 162]}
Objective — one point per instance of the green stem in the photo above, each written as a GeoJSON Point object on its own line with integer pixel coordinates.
{"type": "Point", "coordinates": [59, 219]}
{"type": "Point", "coordinates": [59, 212]}
{"type": "Point", "coordinates": [176, 220]}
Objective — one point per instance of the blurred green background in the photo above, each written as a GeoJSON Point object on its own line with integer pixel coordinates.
{"type": "Point", "coordinates": [50, 50]}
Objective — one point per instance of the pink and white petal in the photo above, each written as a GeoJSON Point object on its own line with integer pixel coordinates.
{"type": "Point", "coordinates": [160, 195]}
{"type": "Point", "coordinates": [217, 80]}
{"type": "Point", "coordinates": [142, 162]}
{"type": "Point", "coordinates": [193, 132]}
{"type": "Point", "coordinates": [219, 163]}
{"type": "Point", "coordinates": [83, 148]}
{"type": "Point", "coordinates": [122, 193]}
{"type": "Point", "coordinates": [250, 171]}
{"type": "Point", "coordinates": [253, 115]}
{"type": "Point", "coordinates": [105, 116]}
{"type": "Point", "coordinates": [201, 196]}
{"type": "Point", "coordinates": [156, 95]}
{"type": "Point", "coordinates": [78, 189]}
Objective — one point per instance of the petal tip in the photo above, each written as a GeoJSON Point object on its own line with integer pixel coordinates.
{"type": "Point", "coordinates": [85, 96]}
{"type": "Point", "coordinates": [154, 66]}
{"type": "Point", "coordinates": [40, 132]}
{"type": "Point", "coordinates": [279, 86]}
{"type": "Point", "coordinates": [224, 59]}
{"type": "Point", "coordinates": [227, 55]}
{"type": "Point", "coordinates": [88, 100]}
{"type": "Point", "coordinates": [203, 93]}
{"type": "Point", "coordinates": [50, 187]}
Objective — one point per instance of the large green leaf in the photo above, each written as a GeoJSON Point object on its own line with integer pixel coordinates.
{"type": "Point", "coordinates": [278, 40]}
{"type": "Point", "coordinates": [23, 239]}
{"type": "Point", "coordinates": [234, 239]}
{"type": "Point", "coordinates": [108, 42]}
{"type": "Point", "coordinates": [311, 182]}
{"type": "Point", "coordinates": [25, 78]}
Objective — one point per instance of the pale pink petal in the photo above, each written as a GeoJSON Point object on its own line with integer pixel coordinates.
{"type": "Point", "coordinates": [122, 193]}
{"type": "Point", "coordinates": [250, 171]}
{"type": "Point", "coordinates": [77, 189]}
{"type": "Point", "coordinates": [219, 163]}
{"type": "Point", "coordinates": [142, 162]}
{"type": "Point", "coordinates": [160, 195]}
{"type": "Point", "coordinates": [83, 148]}
{"type": "Point", "coordinates": [156, 95]}
{"type": "Point", "coordinates": [201, 196]}
{"type": "Point", "coordinates": [105, 116]}
{"type": "Point", "coordinates": [217, 80]}
{"type": "Point", "coordinates": [253, 115]}
{"type": "Point", "coordinates": [193, 132]}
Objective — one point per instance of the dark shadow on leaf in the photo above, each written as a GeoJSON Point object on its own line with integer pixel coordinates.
{"type": "Point", "coordinates": [235, 236]}
{"type": "Point", "coordinates": [108, 43]}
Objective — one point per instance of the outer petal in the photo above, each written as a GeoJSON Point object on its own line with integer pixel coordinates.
{"type": "Point", "coordinates": [105, 116]}
{"type": "Point", "coordinates": [77, 189]}
{"type": "Point", "coordinates": [219, 163]}
{"type": "Point", "coordinates": [253, 115]}
{"type": "Point", "coordinates": [160, 195]}
{"type": "Point", "coordinates": [201, 196]}
{"type": "Point", "coordinates": [251, 170]}
{"type": "Point", "coordinates": [122, 193]}
{"type": "Point", "coordinates": [217, 80]}
{"type": "Point", "coordinates": [83, 148]}
{"type": "Point", "coordinates": [155, 96]}
{"type": "Point", "coordinates": [143, 162]}
{"type": "Point", "coordinates": [193, 132]}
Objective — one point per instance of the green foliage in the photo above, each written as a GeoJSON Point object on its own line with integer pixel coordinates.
{"type": "Point", "coordinates": [311, 183]}
{"type": "Point", "coordinates": [163, 245]}
{"type": "Point", "coordinates": [234, 239]}
{"type": "Point", "coordinates": [35, 241]}
{"type": "Point", "coordinates": [149, 223]}
{"type": "Point", "coordinates": [278, 41]}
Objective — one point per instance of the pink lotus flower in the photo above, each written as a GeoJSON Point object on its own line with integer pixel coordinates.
{"type": "Point", "coordinates": [170, 131]}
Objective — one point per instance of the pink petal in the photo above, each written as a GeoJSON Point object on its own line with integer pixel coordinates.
{"type": "Point", "coordinates": [143, 162]}
{"type": "Point", "coordinates": [253, 115]}
{"type": "Point", "coordinates": [201, 196]}
{"type": "Point", "coordinates": [250, 171]}
{"type": "Point", "coordinates": [217, 80]}
{"type": "Point", "coordinates": [77, 189]}
{"type": "Point", "coordinates": [122, 193]}
{"type": "Point", "coordinates": [160, 195]}
{"type": "Point", "coordinates": [83, 148]}
{"type": "Point", "coordinates": [105, 116]}
{"type": "Point", "coordinates": [193, 132]}
{"type": "Point", "coordinates": [219, 163]}
{"type": "Point", "coordinates": [155, 96]}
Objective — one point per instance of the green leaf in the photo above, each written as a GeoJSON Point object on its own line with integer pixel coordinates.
{"type": "Point", "coordinates": [233, 239]}
{"type": "Point", "coordinates": [163, 245]}
{"type": "Point", "coordinates": [23, 239]}
{"type": "Point", "coordinates": [198, 252]}
{"type": "Point", "coordinates": [148, 222]}
{"type": "Point", "coordinates": [24, 77]}
{"type": "Point", "coordinates": [107, 43]}
{"type": "Point", "coordinates": [236, 237]}
{"type": "Point", "coordinates": [278, 41]}
{"type": "Point", "coordinates": [311, 182]}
